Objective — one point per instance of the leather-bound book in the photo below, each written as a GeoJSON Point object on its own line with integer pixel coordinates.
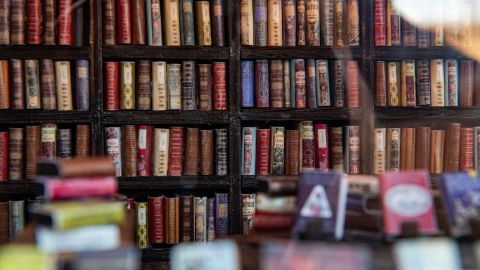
{"type": "Point", "coordinates": [203, 24]}
{"type": "Point", "coordinates": [192, 151]}
{"type": "Point", "coordinates": [48, 87]}
{"type": "Point", "coordinates": [32, 85]}
{"type": "Point", "coordinates": [307, 146]}
{"type": "Point", "coordinates": [111, 86]}
{"type": "Point", "coordinates": [4, 223]}
{"type": "Point", "coordinates": [4, 85]}
{"type": "Point", "coordinates": [79, 29]}
{"type": "Point", "coordinates": [205, 86]}
{"type": "Point", "coordinates": [300, 83]}
{"type": "Point", "coordinates": [206, 152]}
{"type": "Point", "coordinates": [17, 218]}
{"type": "Point", "coordinates": [311, 86]}
{"type": "Point", "coordinates": [327, 8]}
{"type": "Point", "coordinates": [141, 226]}
{"type": "Point", "coordinates": [246, 21]}
{"type": "Point", "coordinates": [452, 148]}
{"type": "Point", "coordinates": [159, 86]}
{"type": "Point", "coordinates": [113, 138]}
{"type": "Point", "coordinates": [408, 83]}
{"type": "Point", "coordinates": [127, 85]}
{"type": "Point", "coordinates": [188, 24]}
{"type": "Point", "coordinates": [49, 19]}
{"type": "Point", "coordinates": [275, 23]}
{"type": "Point", "coordinates": [221, 154]}
{"type": "Point", "coordinates": [17, 22]}
{"type": "Point", "coordinates": [423, 37]}
{"type": "Point", "coordinates": [339, 83]}
{"type": "Point", "coordinates": [172, 220]}
{"type": "Point", "coordinates": [476, 95]}
{"type": "Point", "coordinates": [292, 152]}
{"type": "Point", "coordinates": [277, 151]}
{"type": "Point", "coordinates": [339, 27]}
{"type": "Point", "coordinates": [337, 158]}
{"type": "Point", "coordinates": [436, 151]}
{"type": "Point", "coordinates": [4, 155]}
{"type": "Point", "coordinates": [437, 83]}
{"type": "Point", "coordinates": [15, 157]}
{"type": "Point", "coordinates": [157, 37]}
{"type": "Point", "coordinates": [466, 149]}
{"type": "Point", "coordinates": [5, 22]}
{"type": "Point", "coordinates": [219, 71]}
{"type": "Point", "coordinates": [82, 141]}
{"type": "Point", "coordinates": [218, 23]}
{"type": "Point", "coordinates": [175, 166]}
{"type": "Point", "coordinates": [301, 23]}
{"type": "Point", "coordinates": [65, 22]}
{"type": "Point", "coordinates": [409, 35]}
{"type": "Point", "coordinates": [123, 20]}
{"type": "Point", "coordinates": [156, 220]}
{"type": "Point", "coordinates": [221, 215]}
{"type": "Point", "coordinates": [144, 85]}
{"type": "Point", "coordinates": [210, 219]}
{"type": "Point", "coordinates": [161, 151]}
{"type": "Point", "coordinates": [34, 22]}
{"type": "Point", "coordinates": [248, 212]}
{"type": "Point", "coordinates": [287, 84]}
{"type": "Point", "coordinates": [353, 23]}
{"type": "Point", "coordinates": [407, 149]}
{"type": "Point", "coordinates": [353, 147]}
{"type": "Point", "coordinates": [393, 149]}
{"type": "Point", "coordinates": [262, 152]}
{"type": "Point", "coordinates": [321, 147]}
{"type": "Point", "coordinates": [393, 84]}
{"type": "Point", "coordinates": [262, 84]}
{"type": "Point", "coordinates": [247, 74]}
{"type": "Point", "coordinates": [144, 150]}
{"type": "Point", "coordinates": [129, 149]}
{"type": "Point", "coordinates": [17, 84]}
{"type": "Point", "coordinates": [189, 86]}
{"type": "Point", "coordinates": [200, 217]}
{"type": "Point", "coordinates": [63, 83]}
{"type": "Point", "coordinates": [171, 24]}
{"type": "Point", "coordinates": [49, 141]}
{"type": "Point", "coordinates": [323, 83]}
{"type": "Point", "coordinates": [64, 143]}
{"type": "Point", "coordinates": [313, 22]}
{"type": "Point", "coordinates": [290, 11]}
{"type": "Point", "coordinates": [352, 84]}
{"type": "Point", "coordinates": [422, 148]}
{"type": "Point", "coordinates": [138, 22]}
{"type": "Point", "coordinates": [276, 84]}
{"type": "Point", "coordinates": [466, 83]}
{"type": "Point", "coordinates": [451, 82]}
{"type": "Point", "coordinates": [423, 83]}
{"type": "Point", "coordinates": [380, 84]}
{"type": "Point", "coordinates": [379, 150]}
{"type": "Point", "coordinates": [249, 141]}
{"type": "Point", "coordinates": [186, 223]}
{"type": "Point", "coordinates": [393, 25]}
{"type": "Point", "coordinates": [109, 37]}
{"type": "Point", "coordinates": [380, 28]}
{"type": "Point", "coordinates": [82, 85]}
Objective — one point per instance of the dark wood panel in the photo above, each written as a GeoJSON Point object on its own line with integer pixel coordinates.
{"type": "Point", "coordinates": [43, 51]}
{"type": "Point", "coordinates": [436, 113]}
{"type": "Point", "coordinates": [20, 187]}
{"type": "Point", "coordinates": [249, 182]}
{"type": "Point", "coordinates": [395, 53]}
{"type": "Point", "coordinates": [271, 52]}
{"type": "Point", "coordinates": [289, 114]}
{"type": "Point", "coordinates": [155, 183]}
{"type": "Point", "coordinates": [39, 116]}
{"type": "Point", "coordinates": [165, 117]}
{"type": "Point", "coordinates": [164, 52]}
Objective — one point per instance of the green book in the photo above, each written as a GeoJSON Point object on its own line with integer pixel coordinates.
{"type": "Point", "coordinates": [148, 8]}
{"type": "Point", "coordinates": [188, 22]}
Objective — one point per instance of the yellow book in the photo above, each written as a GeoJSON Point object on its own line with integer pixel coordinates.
{"type": "Point", "coordinates": [202, 14]}
{"type": "Point", "coordinates": [127, 85]}
{"type": "Point", "coordinates": [275, 23]}
{"type": "Point", "coordinates": [64, 85]}
{"type": "Point", "coordinates": [437, 83]}
{"type": "Point", "coordinates": [246, 22]}
{"type": "Point", "coordinates": [25, 257]}
{"type": "Point", "coordinates": [172, 22]}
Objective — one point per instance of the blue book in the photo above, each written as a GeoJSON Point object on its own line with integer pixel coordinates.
{"type": "Point", "coordinates": [247, 84]}
{"type": "Point", "coordinates": [451, 82]}
{"type": "Point", "coordinates": [249, 145]}
{"type": "Point", "coordinates": [221, 215]}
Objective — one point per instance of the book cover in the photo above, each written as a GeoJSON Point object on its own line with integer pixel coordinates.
{"type": "Point", "coordinates": [393, 84]}
{"type": "Point", "coordinates": [64, 143]}
{"type": "Point", "coordinates": [300, 83]}
{"type": "Point", "coordinates": [451, 81]}
{"type": "Point", "coordinates": [34, 21]}
{"type": "Point", "coordinates": [17, 84]}
{"type": "Point", "coordinates": [276, 84]}
{"type": "Point", "coordinates": [205, 87]}
{"type": "Point", "coordinates": [141, 224]}
{"type": "Point", "coordinates": [63, 85]}
{"type": "Point", "coordinates": [393, 25]}
{"type": "Point", "coordinates": [323, 83]}
{"type": "Point", "coordinates": [174, 86]}
{"type": "Point", "coordinates": [292, 152]}
{"type": "Point", "coordinates": [408, 83]}
{"type": "Point", "coordinates": [156, 220]}
{"type": "Point", "coordinates": [192, 150]}
{"type": "Point", "coordinates": [313, 22]}
{"type": "Point", "coordinates": [129, 149]}
{"type": "Point", "coordinates": [32, 86]}
{"type": "Point", "coordinates": [65, 22]}
{"type": "Point", "coordinates": [124, 22]}
{"type": "Point", "coordinates": [4, 155]}
{"type": "Point", "coordinates": [200, 217]}
{"type": "Point", "coordinates": [82, 89]}
{"type": "Point", "coordinates": [157, 37]}
{"type": "Point", "coordinates": [437, 83]}
{"type": "Point", "coordinates": [423, 83]}
{"type": "Point", "coordinates": [249, 150]}
{"type": "Point", "coordinates": [321, 147]}
{"type": "Point", "coordinates": [247, 69]}
{"type": "Point", "coordinates": [263, 152]}
{"type": "Point", "coordinates": [422, 147]}
{"type": "Point", "coordinates": [109, 36]}
{"type": "Point", "coordinates": [78, 187]}
{"type": "Point", "coordinates": [48, 87]}
{"type": "Point", "coordinates": [327, 24]}
{"type": "Point", "coordinates": [159, 86]}
{"type": "Point", "coordinates": [275, 23]}
{"type": "Point", "coordinates": [380, 84]}
{"type": "Point", "coordinates": [301, 23]}
{"type": "Point", "coordinates": [189, 86]}
{"type": "Point", "coordinates": [379, 150]}
{"type": "Point", "coordinates": [219, 72]}
{"type": "Point", "coordinates": [188, 24]}
{"type": "Point", "coordinates": [307, 146]}
{"type": "Point", "coordinates": [161, 151]}
{"type": "Point", "coordinates": [338, 83]}
{"type": "Point", "coordinates": [176, 150]}
{"type": "Point", "coordinates": [277, 151]}
{"type": "Point", "coordinates": [144, 150]}
{"type": "Point", "coordinates": [127, 85]}
{"type": "Point", "coordinates": [290, 11]}
{"type": "Point", "coordinates": [246, 22]}
{"type": "Point", "coordinates": [203, 23]}
{"type": "Point", "coordinates": [221, 151]}
{"type": "Point", "coordinates": [144, 86]}
{"type": "Point", "coordinates": [218, 24]}
{"type": "Point", "coordinates": [186, 219]}
{"type": "Point", "coordinates": [49, 141]}
{"type": "Point", "coordinates": [15, 154]}
{"type": "Point", "coordinates": [206, 152]}
{"type": "Point", "coordinates": [112, 70]}
{"type": "Point", "coordinates": [221, 215]}
{"type": "Point", "coordinates": [262, 84]}
{"type": "Point", "coordinates": [311, 83]}
{"type": "Point", "coordinates": [171, 18]}
{"type": "Point", "coordinates": [113, 138]}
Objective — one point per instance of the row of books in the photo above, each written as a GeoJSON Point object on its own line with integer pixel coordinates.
{"type": "Point", "coordinates": [455, 26]}
{"type": "Point", "coordinates": [44, 84]}
{"type": "Point", "coordinates": [436, 83]}
{"type": "Point", "coordinates": [450, 150]}
{"type": "Point", "coordinates": [145, 151]}
{"type": "Point", "coordinates": [300, 83]}
{"type": "Point", "coordinates": [12, 219]}
{"type": "Point", "coordinates": [21, 147]}
{"type": "Point", "coordinates": [302, 22]}
{"type": "Point", "coordinates": [47, 22]}
{"type": "Point", "coordinates": [158, 86]}
{"type": "Point", "coordinates": [171, 220]}
{"type": "Point", "coordinates": [276, 151]}
{"type": "Point", "coordinates": [166, 22]}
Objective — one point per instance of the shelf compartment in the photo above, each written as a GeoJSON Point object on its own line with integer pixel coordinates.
{"type": "Point", "coordinates": [166, 52]}
{"type": "Point", "coordinates": [165, 117]}
{"type": "Point", "coordinates": [273, 52]}
{"type": "Point", "coordinates": [433, 113]}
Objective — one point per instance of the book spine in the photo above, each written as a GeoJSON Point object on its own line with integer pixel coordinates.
{"type": "Point", "coordinates": [206, 152]}
{"type": "Point", "coordinates": [32, 84]}
{"type": "Point", "coordinates": [423, 39]}
{"type": "Point", "coordinates": [159, 86]}
{"type": "Point", "coordinates": [161, 152]}
{"type": "Point", "coordinates": [205, 86]}
{"type": "Point", "coordinates": [328, 21]}
{"type": "Point", "coordinates": [4, 85]}
{"type": "Point", "coordinates": [408, 84]}
{"type": "Point", "coordinates": [275, 23]}
{"type": "Point", "coordinates": [172, 22]}
{"type": "Point", "coordinates": [321, 147]}
{"type": "Point", "coordinates": [248, 212]}
{"type": "Point", "coordinates": [247, 83]}
{"type": "Point", "coordinates": [422, 148]}
{"type": "Point", "coordinates": [82, 141]}
{"type": "Point", "coordinates": [437, 151]}
{"type": "Point", "coordinates": [221, 215]}
{"type": "Point", "coordinates": [407, 149]}
{"type": "Point", "coordinates": [124, 22]}
{"type": "Point", "coordinates": [127, 85]}
{"type": "Point", "coordinates": [423, 83]}
{"type": "Point", "coordinates": [65, 22]}
{"type": "Point", "coordinates": [380, 23]}
{"type": "Point", "coordinates": [144, 150]}
{"type": "Point", "coordinates": [82, 89]}
{"type": "Point", "coordinates": [15, 157]}
{"type": "Point", "coordinates": [466, 149]}
{"type": "Point", "coordinates": [17, 22]}
{"type": "Point", "coordinates": [204, 32]}
{"type": "Point", "coordinates": [192, 151]}
{"type": "Point", "coordinates": [293, 91]}
{"type": "Point", "coordinates": [200, 205]}
{"type": "Point", "coordinates": [144, 86]}
{"type": "Point", "coordinates": [393, 149]}
{"type": "Point", "coordinates": [338, 23]}
{"type": "Point", "coordinates": [5, 22]}
{"type": "Point", "coordinates": [289, 7]}
{"type": "Point", "coordinates": [262, 84]}
{"type": "Point", "coordinates": [379, 149]}
{"type": "Point", "coordinates": [353, 23]}
{"type": "Point", "coordinates": [393, 84]}
{"type": "Point", "coordinates": [17, 218]}
{"type": "Point", "coordinates": [352, 84]}
{"type": "Point", "coordinates": [18, 84]}
{"type": "Point", "coordinates": [219, 70]}
{"type": "Point", "coordinates": [476, 141]}
{"type": "Point", "coordinates": [109, 36]}
{"type": "Point", "coordinates": [437, 83]}
{"type": "Point", "coordinates": [138, 22]}
{"type": "Point", "coordinates": [276, 84]}
{"type": "Point", "coordinates": [141, 211]}
{"type": "Point", "coordinates": [79, 30]}
{"type": "Point", "coordinates": [354, 149]}
{"type": "Point", "coordinates": [186, 221]}
{"type": "Point", "coordinates": [409, 34]}
{"type": "Point", "coordinates": [466, 83]}
{"type": "Point", "coordinates": [156, 220]}
{"type": "Point", "coordinates": [189, 86]}
{"type": "Point", "coordinates": [393, 25]}
{"type": "Point", "coordinates": [175, 166]}
{"type": "Point", "coordinates": [307, 150]}
{"type": "Point", "coordinates": [476, 82]}
{"type": "Point", "coordinates": [49, 22]}
{"type": "Point", "coordinates": [301, 23]}
{"type": "Point", "coordinates": [246, 21]}
{"type": "Point", "coordinates": [311, 80]}
{"type": "Point", "coordinates": [129, 148]}
{"type": "Point", "coordinates": [337, 149]}
{"type": "Point", "coordinates": [34, 22]}
{"type": "Point", "coordinates": [111, 86]}
{"type": "Point", "coordinates": [338, 83]}
{"type": "Point", "coordinates": [4, 155]}
{"type": "Point", "coordinates": [313, 22]}
{"type": "Point", "coordinates": [438, 35]}
{"type": "Point", "coordinates": [262, 154]}
{"type": "Point", "coordinates": [300, 84]}
{"type": "Point", "coordinates": [218, 23]}
{"type": "Point", "coordinates": [173, 221]}
{"type": "Point", "coordinates": [380, 84]}
{"type": "Point", "coordinates": [286, 83]}
{"type": "Point", "coordinates": [48, 139]}
{"type": "Point", "coordinates": [277, 151]}
{"type": "Point", "coordinates": [451, 80]}
{"type": "Point", "coordinates": [157, 38]}
{"type": "Point", "coordinates": [210, 219]}
{"type": "Point", "coordinates": [5, 223]}
{"type": "Point", "coordinates": [292, 151]}
{"type": "Point", "coordinates": [113, 137]}
{"type": "Point", "coordinates": [64, 143]}
{"type": "Point", "coordinates": [221, 151]}
{"type": "Point", "coordinates": [323, 83]}
{"type": "Point", "coordinates": [63, 83]}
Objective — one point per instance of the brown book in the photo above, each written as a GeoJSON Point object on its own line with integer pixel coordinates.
{"type": "Point", "coordinates": [466, 149]}
{"type": "Point", "coordinates": [393, 149]}
{"type": "Point", "coordinates": [452, 148]}
{"type": "Point", "coordinates": [476, 96]}
{"type": "Point", "coordinates": [4, 155]}
{"type": "Point", "coordinates": [353, 23]}
{"type": "Point", "coordinates": [337, 159]}
{"type": "Point", "coordinates": [352, 84]}
{"type": "Point", "coordinates": [206, 152]}
{"type": "Point", "coordinates": [17, 23]}
{"type": "Point", "coordinates": [393, 25]}
{"type": "Point", "coordinates": [301, 23]}
{"type": "Point", "coordinates": [307, 146]}
{"type": "Point", "coordinates": [129, 149]}
{"type": "Point", "coordinates": [205, 86]}
{"type": "Point", "coordinates": [380, 84]}
{"type": "Point", "coordinates": [156, 220]}
{"type": "Point", "coordinates": [192, 151]}
{"type": "Point", "coordinates": [203, 25]}
{"type": "Point", "coordinates": [5, 22]}
{"type": "Point", "coordinates": [32, 84]}
{"type": "Point", "coordinates": [218, 23]}
{"type": "Point", "coordinates": [138, 22]}
{"type": "Point", "coordinates": [186, 218]}
{"type": "Point", "coordinates": [407, 149]}
{"type": "Point", "coordinates": [176, 150]}
{"type": "Point", "coordinates": [64, 85]}
{"type": "Point", "coordinates": [15, 157]}
{"type": "Point", "coordinates": [172, 220]}
{"type": "Point", "coordinates": [172, 22]}
{"type": "Point", "coordinates": [422, 148]}
{"type": "Point", "coordinates": [290, 25]}
{"type": "Point", "coordinates": [49, 141]}
{"type": "Point", "coordinates": [313, 22]}
{"type": "Point", "coordinates": [33, 144]}
{"type": "Point", "coordinates": [246, 22]}
{"type": "Point", "coordinates": [49, 14]}
{"type": "Point", "coordinates": [82, 141]}
{"type": "Point", "coordinates": [436, 151]}
{"type": "Point", "coordinates": [78, 167]}
{"type": "Point", "coordinates": [4, 223]}
{"type": "Point", "coordinates": [4, 85]}
{"type": "Point", "coordinates": [109, 22]}
{"type": "Point", "coordinates": [144, 85]}
{"type": "Point", "coordinates": [465, 83]}
{"type": "Point", "coordinates": [338, 23]}
{"type": "Point", "coordinates": [18, 84]}
{"type": "Point", "coordinates": [276, 84]}
{"type": "Point", "coordinates": [47, 79]}
{"type": "Point", "coordinates": [275, 23]}
{"type": "Point", "coordinates": [409, 37]}
{"type": "Point", "coordinates": [408, 83]}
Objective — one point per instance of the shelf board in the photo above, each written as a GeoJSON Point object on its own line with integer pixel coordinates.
{"type": "Point", "coordinates": [156, 254]}
{"type": "Point", "coordinates": [20, 187]}
{"type": "Point", "coordinates": [433, 113]}
{"type": "Point", "coordinates": [166, 52]}
{"type": "Point", "coordinates": [394, 53]}
{"type": "Point", "coordinates": [249, 182]}
{"type": "Point", "coordinates": [292, 114]}
{"type": "Point", "coordinates": [165, 117]}
{"type": "Point", "coordinates": [40, 116]}
{"type": "Point", "coordinates": [55, 52]}
{"type": "Point", "coordinates": [274, 52]}
{"type": "Point", "coordinates": [172, 182]}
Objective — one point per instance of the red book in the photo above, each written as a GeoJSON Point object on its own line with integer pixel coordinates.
{"type": "Point", "coordinates": [124, 21]}
{"type": "Point", "coordinates": [307, 146]}
{"type": "Point", "coordinates": [61, 189]}
{"type": "Point", "coordinates": [175, 163]}
{"type": "Point", "coordinates": [272, 221]}
{"type": "Point", "coordinates": [156, 220]}
{"type": "Point", "coordinates": [3, 155]}
{"type": "Point", "coordinates": [353, 86]}
{"type": "Point", "coordinates": [380, 23]}
{"type": "Point", "coordinates": [321, 144]}
{"type": "Point", "coordinates": [466, 149]}
{"type": "Point", "coordinates": [263, 151]}
{"type": "Point", "coordinates": [219, 86]}
{"type": "Point", "coordinates": [34, 22]}
{"type": "Point", "coordinates": [65, 22]}
{"type": "Point", "coordinates": [111, 86]}
{"type": "Point", "coordinates": [407, 197]}
{"type": "Point", "coordinates": [144, 150]}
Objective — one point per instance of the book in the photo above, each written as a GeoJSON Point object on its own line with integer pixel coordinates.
{"type": "Point", "coordinates": [32, 86]}
{"type": "Point", "coordinates": [338, 83]}
{"type": "Point", "coordinates": [64, 143]}
{"type": "Point", "coordinates": [172, 22]}
{"type": "Point", "coordinates": [246, 22]}
{"type": "Point", "coordinates": [16, 218]}
{"type": "Point", "coordinates": [34, 21]}
{"type": "Point", "coordinates": [423, 82]}
{"type": "Point", "coordinates": [161, 151]}
{"type": "Point", "coordinates": [311, 86]}
{"type": "Point", "coordinates": [221, 215]}
{"type": "Point", "coordinates": [352, 84]}
{"type": "Point", "coordinates": [176, 149]}
{"type": "Point", "coordinates": [156, 220]}
{"type": "Point", "coordinates": [203, 21]}
{"type": "Point", "coordinates": [248, 212]}
{"type": "Point", "coordinates": [338, 162]}
{"type": "Point", "coordinates": [278, 186]}
{"type": "Point", "coordinates": [4, 222]}
{"type": "Point", "coordinates": [33, 143]}
{"type": "Point", "coordinates": [379, 151]}
{"type": "Point", "coordinates": [156, 28]}
{"type": "Point", "coordinates": [352, 148]}
{"type": "Point", "coordinates": [247, 70]}
{"type": "Point", "coordinates": [5, 23]}
{"type": "Point", "coordinates": [292, 152]}
{"type": "Point", "coordinates": [353, 23]}
{"type": "Point", "coordinates": [17, 22]}
{"type": "Point", "coordinates": [172, 220]}
{"type": "Point", "coordinates": [113, 138]}
{"type": "Point", "coordinates": [138, 22]}
{"type": "Point", "coordinates": [141, 224]}
{"type": "Point", "coordinates": [307, 146]}
{"type": "Point", "coordinates": [380, 84]}
{"type": "Point", "coordinates": [437, 83]}
{"type": "Point", "coordinates": [200, 216]}
{"type": "Point", "coordinates": [123, 22]}
{"type": "Point", "coordinates": [276, 84]}
{"type": "Point", "coordinates": [215, 255]}
{"type": "Point", "coordinates": [407, 149]}
{"type": "Point", "coordinates": [300, 84]}
{"type": "Point", "coordinates": [249, 150]}
{"type": "Point", "coordinates": [277, 151]}
{"type": "Point", "coordinates": [262, 152]}
{"type": "Point", "coordinates": [18, 84]}
{"type": "Point", "coordinates": [63, 85]}
{"type": "Point", "coordinates": [380, 23]}
{"type": "Point", "coordinates": [323, 83]}
{"type": "Point", "coordinates": [129, 148]}
{"type": "Point", "coordinates": [186, 217]}
{"type": "Point", "coordinates": [422, 148]}
{"type": "Point", "coordinates": [451, 82]}
{"type": "Point", "coordinates": [262, 84]}
{"type": "Point", "coordinates": [409, 34]}
{"type": "Point", "coordinates": [452, 148]}
{"type": "Point", "coordinates": [290, 11]}
{"type": "Point", "coordinates": [189, 86]}
{"type": "Point", "coordinates": [205, 87]}
{"type": "Point", "coordinates": [327, 9]}
{"type": "Point", "coordinates": [143, 86]}
{"type": "Point", "coordinates": [206, 152]}
{"type": "Point", "coordinates": [393, 25]}
{"type": "Point", "coordinates": [466, 83]}
{"type": "Point", "coordinates": [4, 155]}
{"type": "Point", "coordinates": [144, 150]}
{"type": "Point", "coordinates": [408, 93]}
{"type": "Point", "coordinates": [218, 24]}
{"type": "Point", "coordinates": [275, 23]}
{"type": "Point", "coordinates": [301, 23]}
{"type": "Point", "coordinates": [78, 187]}
{"type": "Point", "coordinates": [393, 146]}
{"type": "Point", "coordinates": [437, 151]}
{"type": "Point", "coordinates": [321, 147]}
{"type": "Point", "coordinates": [393, 84]}
{"type": "Point", "coordinates": [466, 149]}
{"type": "Point", "coordinates": [127, 85]}
{"type": "Point", "coordinates": [159, 86]}
{"type": "Point", "coordinates": [192, 150]}
{"type": "Point", "coordinates": [65, 22]}
{"type": "Point", "coordinates": [221, 152]}
{"type": "Point", "coordinates": [15, 155]}
{"type": "Point", "coordinates": [174, 86]}
{"type": "Point", "coordinates": [312, 16]}
{"type": "Point", "coordinates": [211, 219]}
{"type": "Point", "coordinates": [78, 167]}
{"type": "Point", "coordinates": [275, 204]}
{"type": "Point", "coordinates": [339, 32]}
{"type": "Point", "coordinates": [219, 72]}
{"type": "Point", "coordinates": [4, 85]}
{"type": "Point", "coordinates": [82, 85]}
{"type": "Point", "coordinates": [111, 102]}
{"type": "Point", "coordinates": [109, 36]}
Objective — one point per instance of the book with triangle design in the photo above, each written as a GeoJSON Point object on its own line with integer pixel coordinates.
{"type": "Point", "coordinates": [321, 198]}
